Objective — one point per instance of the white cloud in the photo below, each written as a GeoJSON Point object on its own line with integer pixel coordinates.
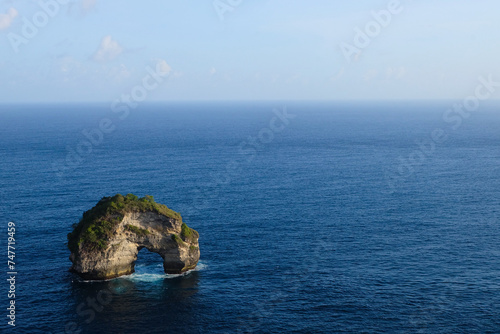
{"type": "Point", "coordinates": [162, 67]}
{"type": "Point", "coordinates": [212, 71]}
{"type": "Point", "coordinates": [75, 72]}
{"type": "Point", "coordinates": [108, 50]}
{"type": "Point", "coordinates": [68, 64]}
{"type": "Point", "coordinates": [118, 73]}
{"type": "Point", "coordinates": [71, 71]}
{"type": "Point", "coordinates": [6, 19]}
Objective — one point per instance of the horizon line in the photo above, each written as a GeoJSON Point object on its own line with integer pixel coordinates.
{"type": "Point", "coordinates": [3, 103]}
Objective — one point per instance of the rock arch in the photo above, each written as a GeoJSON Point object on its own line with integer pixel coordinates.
{"type": "Point", "coordinates": [169, 237]}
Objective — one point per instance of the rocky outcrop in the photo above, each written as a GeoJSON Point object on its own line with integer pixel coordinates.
{"type": "Point", "coordinates": [107, 240]}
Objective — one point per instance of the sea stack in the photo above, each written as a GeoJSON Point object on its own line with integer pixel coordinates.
{"type": "Point", "coordinates": [106, 241]}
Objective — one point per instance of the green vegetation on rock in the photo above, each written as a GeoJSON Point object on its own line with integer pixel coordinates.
{"type": "Point", "coordinates": [137, 230]}
{"type": "Point", "coordinates": [188, 234]}
{"type": "Point", "coordinates": [177, 239]}
{"type": "Point", "coordinates": [98, 224]}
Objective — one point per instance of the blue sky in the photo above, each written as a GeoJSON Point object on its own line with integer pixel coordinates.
{"type": "Point", "coordinates": [96, 50]}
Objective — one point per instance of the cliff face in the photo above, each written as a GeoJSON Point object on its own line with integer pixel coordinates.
{"type": "Point", "coordinates": [107, 240]}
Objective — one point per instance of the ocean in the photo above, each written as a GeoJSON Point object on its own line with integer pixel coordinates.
{"type": "Point", "coordinates": [345, 217]}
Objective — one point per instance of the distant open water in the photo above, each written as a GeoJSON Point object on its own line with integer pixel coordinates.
{"type": "Point", "coordinates": [320, 226]}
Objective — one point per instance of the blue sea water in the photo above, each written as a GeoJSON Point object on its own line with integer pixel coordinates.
{"type": "Point", "coordinates": [343, 218]}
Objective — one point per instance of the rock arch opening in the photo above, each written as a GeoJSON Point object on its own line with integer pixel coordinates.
{"type": "Point", "coordinates": [148, 262]}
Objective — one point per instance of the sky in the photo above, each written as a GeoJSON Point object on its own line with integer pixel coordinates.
{"type": "Point", "coordinates": [97, 51]}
